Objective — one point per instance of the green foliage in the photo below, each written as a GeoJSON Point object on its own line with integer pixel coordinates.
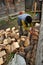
{"type": "Point", "coordinates": [10, 23]}
{"type": "Point", "coordinates": [9, 57]}
{"type": "Point", "coordinates": [29, 12]}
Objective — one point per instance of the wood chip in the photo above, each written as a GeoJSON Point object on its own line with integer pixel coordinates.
{"type": "Point", "coordinates": [16, 35]}
{"type": "Point", "coordinates": [8, 48]}
{"type": "Point", "coordinates": [9, 40]}
{"type": "Point", "coordinates": [13, 39]}
{"type": "Point", "coordinates": [1, 61]}
{"type": "Point", "coordinates": [8, 29]}
{"type": "Point", "coordinates": [7, 34]}
{"type": "Point", "coordinates": [5, 41]}
{"type": "Point", "coordinates": [23, 39]}
{"type": "Point", "coordinates": [27, 42]}
{"type": "Point", "coordinates": [13, 28]}
{"type": "Point", "coordinates": [14, 46]}
{"type": "Point", "coordinates": [2, 53]}
{"type": "Point", "coordinates": [17, 31]}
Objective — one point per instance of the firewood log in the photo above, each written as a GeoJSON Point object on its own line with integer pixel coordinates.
{"type": "Point", "coordinates": [8, 29]}
{"type": "Point", "coordinates": [27, 42]}
{"type": "Point", "coordinates": [13, 34]}
{"type": "Point", "coordinates": [13, 28]}
{"type": "Point", "coordinates": [8, 48]}
{"type": "Point", "coordinates": [5, 42]}
{"type": "Point", "coordinates": [1, 38]}
{"type": "Point", "coordinates": [14, 46]}
{"type": "Point", "coordinates": [13, 39]}
{"type": "Point", "coordinates": [7, 34]}
{"type": "Point", "coordinates": [16, 31]}
{"type": "Point", "coordinates": [9, 40]}
{"type": "Point", "coordinates": [17, 36]}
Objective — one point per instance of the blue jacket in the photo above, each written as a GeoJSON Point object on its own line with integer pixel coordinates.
{"type": "Point", "coordinates": [22, 17]}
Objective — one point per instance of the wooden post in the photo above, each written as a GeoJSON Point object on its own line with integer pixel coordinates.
{"type": "Point", "coordinates": [35, 7]}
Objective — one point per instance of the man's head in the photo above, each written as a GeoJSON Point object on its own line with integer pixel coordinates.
{"type": "Point", "coordinates": [28, 20]}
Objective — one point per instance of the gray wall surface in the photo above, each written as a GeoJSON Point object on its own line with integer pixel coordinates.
{"type": "Point", "coordinates": [39, 54]}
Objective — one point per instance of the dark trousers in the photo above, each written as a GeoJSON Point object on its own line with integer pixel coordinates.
{"type": "Point", "coordinates": [21, 31]}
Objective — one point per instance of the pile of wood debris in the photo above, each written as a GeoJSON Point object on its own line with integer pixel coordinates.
{"type": "Point", "coordinates": [25, 46]}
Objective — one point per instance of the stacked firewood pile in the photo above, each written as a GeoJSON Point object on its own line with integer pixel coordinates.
{"type": "Point", "coordinates": [25, 46]}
